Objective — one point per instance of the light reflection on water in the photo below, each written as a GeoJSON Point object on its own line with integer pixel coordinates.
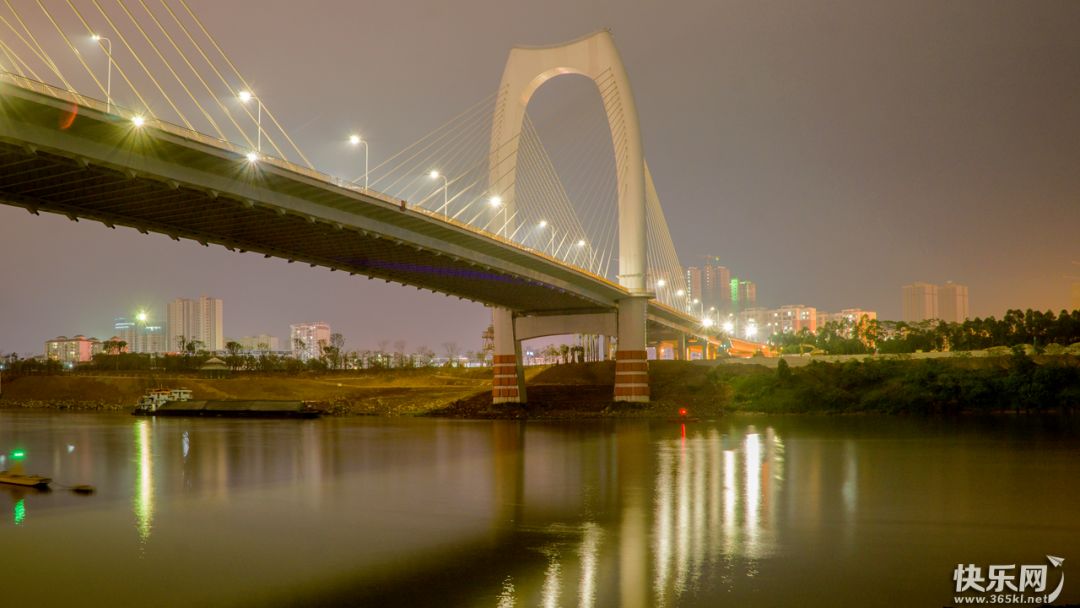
{"type": "Point", "coordinates": [143, 503]}
{"type": "Point", "coordinates": [692, 540]}
{"type": "Point", "coordinates": [814, 512]}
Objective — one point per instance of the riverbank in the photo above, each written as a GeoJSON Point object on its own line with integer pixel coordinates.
{"type": "Point", "coordinates": [1016, 383]}
{"type": "Point", "coordinates": [563, 391]}
{"type": "Point", "coordinates": [367, 393]}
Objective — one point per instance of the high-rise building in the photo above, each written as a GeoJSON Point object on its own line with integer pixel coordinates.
{"type": "Point", "coordinates": [78, 349]}
{"type": "Point", "coordinates": [709, 285]}
{"type": "Point", "coordinates": [920, 302]}
{"type": "Point", "coordinates": [308, 339]}
{"type": "Point", "coordinates": [792, 319]}
{"type": "Point", "coordinates": [191, 320]}
{"type": "Point", "coordinates": [746, 293]}
{"type": "Point", "coordinates": [141, 334]}
{"type": "Point", "coordinates": [952, 302]}
{"type": "Point", "coordinates": [124, 329]}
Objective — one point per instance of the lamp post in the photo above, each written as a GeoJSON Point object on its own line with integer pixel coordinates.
{"type": "Point", "coordinates": [356, 140]}
{"type": "Point", "coordinates": [446, 187]}
{"type": "Point", "coordinates": [582, 244]}
{"type": "Point", "coordinates": [497, 202]}
{"type": "Point", "coordinates": [108, 71]}
{"type": "Point", "coordinates": [551, 243]}
{"type": "Point", "coordinates": [246, 96]}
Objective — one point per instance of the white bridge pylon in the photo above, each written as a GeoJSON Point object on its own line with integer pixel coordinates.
{"type": "Point", "coordinates": [595, 57]}
{"type": "Point", "coordinates": [527, 69]}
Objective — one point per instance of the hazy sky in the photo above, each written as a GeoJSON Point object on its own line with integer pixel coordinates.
{"type": "Point", "coordinates": [829, 151]}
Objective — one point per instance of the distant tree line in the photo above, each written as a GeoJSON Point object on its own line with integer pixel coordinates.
{"type": "Point", "coordinates": [928, 386]}
{"type": "Point", "coordinates": [1036, 328]}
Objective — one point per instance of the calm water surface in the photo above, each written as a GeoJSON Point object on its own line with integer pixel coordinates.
{"type": "Point", "coordinates": [747, 511]}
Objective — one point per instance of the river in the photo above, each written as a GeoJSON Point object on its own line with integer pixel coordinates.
{"type": "Point", "coordinates": [745, 511]}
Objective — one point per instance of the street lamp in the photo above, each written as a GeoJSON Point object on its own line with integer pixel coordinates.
{"type": "Point", "coordinates": [246, 96]}
{"type": "Point", "coordinates": [356, 140]}
{"type": "Point", "coordinates": [583, 245]}
{"type": "Point", "coordinates": [751, 331]}
{"type": "Point", "coordinates": [446, 187]}
{"type": "Point", "coordinates": [551, 243]}
{"type": "Point", "coordinates": [496, 202]}
{"type": "Point", "coordinates": [108, 72]}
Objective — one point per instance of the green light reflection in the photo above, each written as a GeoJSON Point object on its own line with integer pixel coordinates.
{"type": "Point", "coordinates": [20, 511]}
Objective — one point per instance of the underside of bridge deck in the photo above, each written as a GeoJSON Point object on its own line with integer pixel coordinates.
{"type": "Point", "coordinates": [56, 157]}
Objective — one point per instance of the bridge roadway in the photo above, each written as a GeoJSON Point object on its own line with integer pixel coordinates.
{"type": "Point", "coordinates": [61, 152]}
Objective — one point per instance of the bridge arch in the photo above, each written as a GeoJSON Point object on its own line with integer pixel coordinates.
{"type": "Point", "coordinates": [595, 57]}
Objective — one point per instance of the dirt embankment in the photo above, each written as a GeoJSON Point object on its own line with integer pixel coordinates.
{"type": "Point", "coordinates": [585, 391]}
{"type": "Point", "coordinates": [563, 391]}
{"type": "Point", "coordinates": [396, 392]}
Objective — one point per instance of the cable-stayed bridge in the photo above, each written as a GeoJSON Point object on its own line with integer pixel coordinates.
{"type": "Point", "coordinates": [174, 141]}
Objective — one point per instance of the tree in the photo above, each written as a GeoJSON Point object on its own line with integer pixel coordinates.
{"type": "Point", "coordinates": [783, 372]}
{"type": "Point", "coordinates": [425, 355]}
{"type": "Point", "coordinates": [451, 349]}
{"type": "Point", "coordinates": [114, 348]}
{"type": "Point", "coordinates": [337, 343]}
{"type": "Point", "coordinates": [234, 349]}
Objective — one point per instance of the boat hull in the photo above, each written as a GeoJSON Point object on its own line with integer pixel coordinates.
{"type": "Point", "coordinates": [231, 409]}
{"type": "Point", "coordinates": [27, 481]}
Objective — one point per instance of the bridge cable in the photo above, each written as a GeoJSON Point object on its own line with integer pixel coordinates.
{"type": "Point", "coordinates": [108, 54]}
{"type": "Point", "coordinates": [169, 66]}
{"type": "Point", "coordinates": [244, 82]}
{"type": "Point", "coordinates": [145, 69]}
{"type": "Point", "coordinates": [74, 50]}
{"type": "Point", "coordinates": [35, 47]}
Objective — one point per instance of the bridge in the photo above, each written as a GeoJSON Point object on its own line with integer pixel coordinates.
{"type": "Point", "coordinates": [68, 153]}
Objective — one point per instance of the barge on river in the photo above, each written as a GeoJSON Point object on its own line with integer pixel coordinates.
{"type": "Point", "coordinates": [178, 402]}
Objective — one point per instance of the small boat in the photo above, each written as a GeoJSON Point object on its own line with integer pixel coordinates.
{"type": "Point", "coordinates": [29, 481]}
{"type": "Point", "coordinates": [150, 402]}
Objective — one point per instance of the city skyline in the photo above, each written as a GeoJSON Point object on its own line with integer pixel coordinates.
{"type": "Point", "coordinates": [968, 178]}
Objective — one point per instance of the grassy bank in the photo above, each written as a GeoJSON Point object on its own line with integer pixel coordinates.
{"type": "Point", "coordinates": [1016, 383]}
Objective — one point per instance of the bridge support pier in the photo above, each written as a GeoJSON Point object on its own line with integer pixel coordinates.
{"type": "Point", "coordinates": [631, 360]}
{"type": "Point", "coordinates": [508, 385]}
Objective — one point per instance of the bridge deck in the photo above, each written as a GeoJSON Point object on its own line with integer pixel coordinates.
{"type": "Point", "coordinates": [59, 153]}
{"type": "Point", "coordinates": [75, 161]}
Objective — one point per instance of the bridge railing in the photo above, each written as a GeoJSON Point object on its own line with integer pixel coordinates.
{"type": "Point", "coordinates": [106, 109]}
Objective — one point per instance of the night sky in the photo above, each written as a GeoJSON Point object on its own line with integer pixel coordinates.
{"type": "Point", "coordinates": [829, 151]}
